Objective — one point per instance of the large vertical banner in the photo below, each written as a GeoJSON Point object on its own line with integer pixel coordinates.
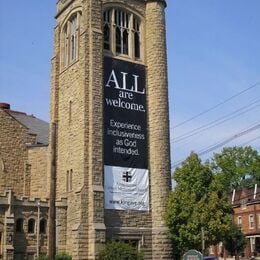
{"type": "Point", "coordinates": [126, 179]}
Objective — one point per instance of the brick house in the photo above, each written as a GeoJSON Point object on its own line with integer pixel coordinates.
{"type": "Point", "coordinates": [23, 182]}
{"type": "Point", "coordinates": [246, 206]}
{"type": "Point", "coordinates": [246, 214]}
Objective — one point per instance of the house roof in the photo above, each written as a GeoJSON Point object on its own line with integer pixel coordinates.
{"type": "Point", "coordinates": [251, 195]}
{"type": "Point", "coordinates": [35, 125]}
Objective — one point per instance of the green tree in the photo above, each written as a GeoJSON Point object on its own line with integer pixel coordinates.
{"type": "Point", "coordinates": [235, 241]}
{"type": "Point", "coordinates": [118, 250]}
{"type": "Point", "coordinates": [237, 167]}
{"type": "Point", "coordinates": [197, 202]}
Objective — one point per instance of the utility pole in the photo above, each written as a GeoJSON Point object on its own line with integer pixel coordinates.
{"type": "Point", "coordinates": [202, 240]}
{"type": "Point", "coordinates": [52, 209]}
{"type": "Point", "coordinates": [38, 229]}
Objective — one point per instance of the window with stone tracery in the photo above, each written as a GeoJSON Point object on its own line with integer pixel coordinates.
{"type": "Point", "coordinates": [70, 40]}
{"type": "Point", "coordinates": [122, 33]}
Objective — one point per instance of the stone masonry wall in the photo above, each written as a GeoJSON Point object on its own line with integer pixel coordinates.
{"type": "Point", "coordinates": [12, 142]}
{"type": "Point", "coordinates": [37, 159]}
{"type": "Point", "coordinates": [68, 110]}
{"type": "Point", "coordinates": [158, 124]}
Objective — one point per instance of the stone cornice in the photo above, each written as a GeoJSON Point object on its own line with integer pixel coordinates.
{"type": "Point", "coordinates": [161, 1]}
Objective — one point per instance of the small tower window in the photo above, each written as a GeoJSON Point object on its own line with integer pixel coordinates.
{"type": "Point", "coordinates": [43, 224]}
{"type": "Point", "coordinates": [121, 31]}
{"type": "Point", "coordinates": [31, 226]}
{"type": "Point", "coordinates": [19, 225]}
{"type": "Point", "coordinates": [69, 180]}
{"type": "Point", "coordinates": [70, 111]}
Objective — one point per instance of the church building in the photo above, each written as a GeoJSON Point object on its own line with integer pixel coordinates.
{"type": "Point", "coordinates": [107, 158]}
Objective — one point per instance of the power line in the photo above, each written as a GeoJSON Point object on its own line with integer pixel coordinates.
{"type": "Point", "coordinates": [214, 147]}
{"type": "Point", "coordinates": [250, 141]}
{"type": "Point", "coordinates": [222, 143]}
{"type": "Point", "coordinates": [216, 122]}
{"type": "Point", "coordinates": [217, 105]}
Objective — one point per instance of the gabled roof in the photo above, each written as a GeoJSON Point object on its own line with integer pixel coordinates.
{"type": "Point", "coordinates": [35, 125]}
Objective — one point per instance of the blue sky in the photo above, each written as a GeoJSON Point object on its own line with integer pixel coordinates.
{"type": "Point", "coordinates": [213, 54]}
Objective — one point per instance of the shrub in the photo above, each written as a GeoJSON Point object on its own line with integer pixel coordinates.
{"type": "Point", "coordinates": [43, 257]}
{"type": "Point", "coordinates": [63, 256]}
{"type": "Point", "coordinates": [120, 251]}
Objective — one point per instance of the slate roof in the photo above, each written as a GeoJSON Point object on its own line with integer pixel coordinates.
{"type": "Point", "coordinates": [35, 125]}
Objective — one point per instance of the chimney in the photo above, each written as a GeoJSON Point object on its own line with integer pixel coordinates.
{"type": "Point", "coordinates": [5, 106]}
{"type": "Point", "coordinates": [233, 196]}
{"type": "Point", "coordinates": [255, 191]}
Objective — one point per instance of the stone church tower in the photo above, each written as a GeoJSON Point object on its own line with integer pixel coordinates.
{"type": "Point", "coordinates": [110, 104]}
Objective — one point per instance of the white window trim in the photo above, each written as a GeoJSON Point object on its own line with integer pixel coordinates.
{"type": "Point", "coordinates": [244, 204]}
{"type": "Point", "coordinates": [251, 222]}
{"type": "Point", "coordinates": [239, 221]}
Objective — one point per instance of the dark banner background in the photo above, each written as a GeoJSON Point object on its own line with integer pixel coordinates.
{"type": "Point", "coordinates": [124, 151]}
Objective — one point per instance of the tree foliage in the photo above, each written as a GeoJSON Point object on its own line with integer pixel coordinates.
{"type": "Point", "coordinates": [63, 256]}
{"type": "Point", "coordinates": [117, 250]}
{"type": "Point", "coordinates": [197, 202]}
{"type": "Point", "coordinates": [235, 240]}
{"type": "Point", "coordinates": [237, 167]}
{"type": "Point", "coordinates": [43, 257]}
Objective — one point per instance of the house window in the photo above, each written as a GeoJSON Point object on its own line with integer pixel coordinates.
{"type": "Point", "coordinates": [251, 221]}
{"type": "Point", "coordinates": [244, 203]}
{"type": "Point", "coordinates": [122, 33]}
{"type": "Point", "coordinates": [239, 222]}
{"type": "Point", "coordinates": [43, 224]}
{"type": "Point", "coordinates": [19, 225]}
{"type": "Point", "coordinates": [31, 226]}
{"type": "Point", "coordinates": [70, 39]}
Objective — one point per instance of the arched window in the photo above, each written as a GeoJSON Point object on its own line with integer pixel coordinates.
{"type": "Point", "coordinates": [122, 33]}
{"type": "Point", "coordinates": [31, 226]}
{"type": "Point", "coordinates": [43, 224]}
{"type": "Point", "coordinates": [70, 39]}
{"type": "Point", "coordinates": [19, 225]}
